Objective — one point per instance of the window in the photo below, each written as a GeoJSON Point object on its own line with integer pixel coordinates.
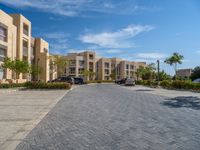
{"type": "Point", "coordinates": [80, 70]}
{"type": "Point", "coordinates": [127, 73]}
{"type": "Point", "coordinates": [45, 50]}
{"type": "Point", "coordinates": [3, 34]}
{"type": "Point", "coordinates": [132, 67]}
{"type": "Point", "coordinates": [106, 65]}
{"type": "Point", "coordinates": [25, 29]}
{"type": "Point", "coordinates": [1, 73]}
{"type": "Point", "coordinates": [91, 56]}
{"type": "Point", "coordinates": [106, 71]}
{"type": "Point", "coordinates": [2, 53]}
{"type": "Point", "coordinates": [106, 78]}
{"type": "Point", "coordinates": [81, 62]}
{"type": "Point", "coordinates": [127, 66]}
{"type": "Point", "coordinates": [72, 70]}
{"type": "Point", "coordinates": [72, 62]}
{"type": "Point", "coordinates": [25, 48]}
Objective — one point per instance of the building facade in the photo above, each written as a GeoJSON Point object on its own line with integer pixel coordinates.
{"type": "Point", "coordinates": [16, 43]}
{"type": "Point", "coordinates": [101, 68]}
{"type": "Point", "coordinates": [78, 63]}
{"type": "Point", "coordinates": [184, 73]}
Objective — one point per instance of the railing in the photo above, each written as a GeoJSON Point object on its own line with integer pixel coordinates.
{"type": "Point", "coordinates": [25, 32]}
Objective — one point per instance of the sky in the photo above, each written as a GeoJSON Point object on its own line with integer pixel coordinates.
{"type": "Point", "coordinates": [136, 30]}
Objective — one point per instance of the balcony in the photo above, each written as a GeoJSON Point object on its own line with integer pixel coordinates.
{"type": "Point", "coordinates": [26, 29]}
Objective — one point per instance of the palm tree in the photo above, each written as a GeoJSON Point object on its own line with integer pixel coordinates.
{"type": "Point", "coordinates": [174, 60]}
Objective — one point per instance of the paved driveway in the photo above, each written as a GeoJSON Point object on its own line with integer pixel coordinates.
{"type": "Point", "coordinates": [109, 117]}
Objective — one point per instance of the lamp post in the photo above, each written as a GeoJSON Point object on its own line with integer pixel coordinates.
{"type": "Point", "coordinates": [158, 64]}
{"type": "Point", "coordinates": [38, 69]}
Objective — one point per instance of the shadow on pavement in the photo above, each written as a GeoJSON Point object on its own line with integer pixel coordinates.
{"type": "Point", "coordinates": [183, 101]}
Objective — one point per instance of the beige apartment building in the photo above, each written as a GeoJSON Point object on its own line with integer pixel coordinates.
{"type": "Point", "coordinates": [103, 68]}
{"type": "Point", "coordinates": [16, 43]}
{"type": "Point", "coordinates": [80, 62]}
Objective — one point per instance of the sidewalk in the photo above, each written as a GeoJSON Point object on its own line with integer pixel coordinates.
{"type": "Point", "coordinates": [21, 111]}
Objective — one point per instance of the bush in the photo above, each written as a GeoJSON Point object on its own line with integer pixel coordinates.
{"type": "Point", "coordinates": [43, 85]}
{"type": "Point", "coordinates": [166, 84]}
{"type": "Point", "coordinates": [100, 81]}
{"type": "Point", "coordinates": [11, 85]}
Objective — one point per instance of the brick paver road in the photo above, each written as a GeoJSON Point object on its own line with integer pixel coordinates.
{"type": "Point", "coordinates": [109, 117]}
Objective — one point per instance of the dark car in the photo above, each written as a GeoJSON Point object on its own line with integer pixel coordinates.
{"type": "Point", "coordinates": [78, 80]}
{"type": "Point", "coordinates": [64, 79]}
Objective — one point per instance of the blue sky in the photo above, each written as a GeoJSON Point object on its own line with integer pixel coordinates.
{"type": "Point", "coordinates": [141, 30]}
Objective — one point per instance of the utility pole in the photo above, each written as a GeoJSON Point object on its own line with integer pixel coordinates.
{"type": "Point", "coordinates": [158, 62]}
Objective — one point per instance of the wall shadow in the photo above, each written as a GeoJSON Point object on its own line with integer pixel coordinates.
{"type": "Point", "coordinates": [183, 101]}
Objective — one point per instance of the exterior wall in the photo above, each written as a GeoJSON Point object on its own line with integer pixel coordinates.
{"type": "Point", "coordinates": [9, 45]}
{"type": "Point", "coordinates": [88, 60]}
{"type": "Point", "coordinates": [184, 73]}
{"type": "Point", "coordinates": [23, 41]}
{"type": "Point", "coordinates": [52, 69]}
{"type": "Point", "coordinates": [42, 58]}
{"type": "Point", "coordinates": [104, 69]}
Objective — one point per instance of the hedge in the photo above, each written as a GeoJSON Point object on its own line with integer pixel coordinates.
{"type": "Point", "coordinates": [177, 84]}
{"type": "Point", "coordinates": [37, 85]}
{"type": "Point", "coordinates": [43, 85]}
{"type": "Point", "coordinates": [11, 85]}
{"type": "Point", "coordinates": [100, 81]}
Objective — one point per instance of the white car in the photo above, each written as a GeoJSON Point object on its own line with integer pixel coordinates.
{"type": "Point", "coordinates": [196, 80]}
{"type": "Point", "coordinates": [130, 82]}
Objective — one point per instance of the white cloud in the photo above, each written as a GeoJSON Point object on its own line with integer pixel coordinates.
{"type": "Point", "coordinates": [77, 7]}
{"type": "Point", "coordinates": [151, 55]}
{"type": "Point", "coordinates": [118, 39]}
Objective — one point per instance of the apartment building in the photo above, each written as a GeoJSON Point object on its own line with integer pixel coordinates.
{"type": "Point", "coordinates": [117, 68]}
{"type": "Point", "coordinates": [8, 33]}
{"type": "Point", "coordinates": [40, 57]}
{"type": "Point", "coordinates": [16, 43]}
{"type": "Point", "coordinates": [103, 68]}
{"type": "Point", "coordinates": [80, 62]}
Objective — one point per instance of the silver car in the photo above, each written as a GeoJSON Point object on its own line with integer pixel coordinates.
{"type": "Point", "coordinates": [196, 80]}
{"type": "Point", "coordinates": [130, 82]}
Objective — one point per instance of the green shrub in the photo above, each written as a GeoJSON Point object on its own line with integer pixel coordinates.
{"type": "Point", "coordinates": [43, 85]}
{"type": "Point", "coordinates": [166, 84]}
{"type": "Point", "coordinates": [11, 85]}
{"type": "Point", "coordinates": [99, 81]}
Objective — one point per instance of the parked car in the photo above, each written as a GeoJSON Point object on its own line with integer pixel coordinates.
{"type": "Point", "coordinates": [196, 80]}
{"type": "Point", "coordinates": [64, 79]}
{"type": "Point", "coordinates": [78, 80]}
{"type": "Point", "coordinates": [129, 82]}
{"type": "Point", "coordinates": [121, 81]}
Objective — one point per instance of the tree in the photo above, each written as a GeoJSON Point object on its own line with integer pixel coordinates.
{"type": "Point", "coordinates": [113, 75]}
{"type": "Point", "coordinates": [90, 74]}
{"type": "Point", "coordinates": [61, 62]}
{"type": "Point", "coordinates": [147, 72]}
{"type": "Point", "coordinates": [195, 73]}
{"type": "Point", "coordinates": [34, 71]}
{"type": "Point", "coordinates": [18, 66]}
{"type": "Point", "coordinates": [173, 60]}
{"type": "Point", "coordinates": [163, 76]}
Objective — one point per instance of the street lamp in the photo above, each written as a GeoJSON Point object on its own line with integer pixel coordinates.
{"type": "Point", "coordinates": [38, 69]}
{"type": "Point", "coordinates": [158, 62]}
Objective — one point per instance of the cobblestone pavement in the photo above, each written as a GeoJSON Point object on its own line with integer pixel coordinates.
{"type": "Point", "coordinates": [109, 117]}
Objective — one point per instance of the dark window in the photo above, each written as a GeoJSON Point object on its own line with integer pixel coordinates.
{"type": "Point", "coordinates": [106, 65]}
{"type": "Point", "coordinates": [127, 66]}
{"type": "Point", "coordinates": [25, 29]}
{"type": "Point", "coordinates": [3, 34]}
{"type": "Point", "coordinates": [2, 53]}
